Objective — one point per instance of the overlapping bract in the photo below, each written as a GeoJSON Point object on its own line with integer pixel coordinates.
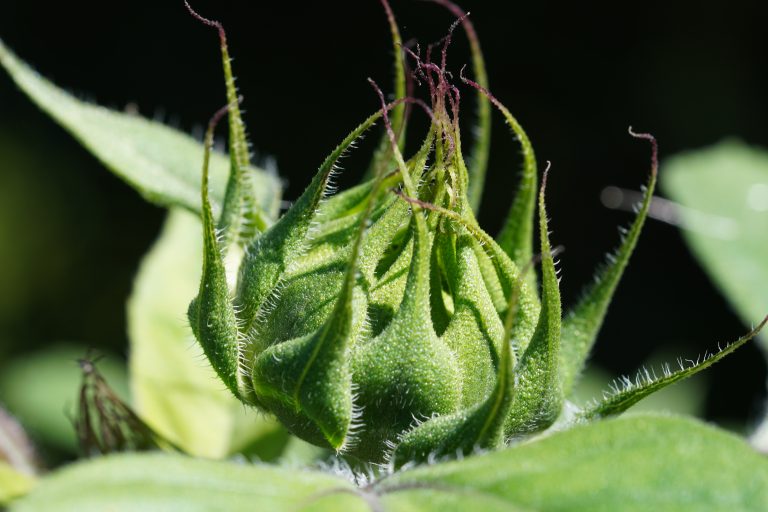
{"type": "Point", "coordinates": [383, 321]}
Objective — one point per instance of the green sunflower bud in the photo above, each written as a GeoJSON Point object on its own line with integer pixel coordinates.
{"type": "Point", "coordinates": [382, 321]}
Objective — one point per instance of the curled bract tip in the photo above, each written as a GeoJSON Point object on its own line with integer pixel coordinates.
{"type": "Point", "coordinates": [211, 23]}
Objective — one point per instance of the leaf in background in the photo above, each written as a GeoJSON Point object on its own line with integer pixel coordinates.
{"type": "Point", "coordinates": [175, 390]}
{"type": "Point", "coordinates": [723, 193]}
{"type": "Point", "coordinates": [634, 463]}
{"type": "Point", "coordinates": [41, 390]}
{"type": "Point", "coordinates": [162, 163]}
{"type": "Point", "coordinates": [166, 482]}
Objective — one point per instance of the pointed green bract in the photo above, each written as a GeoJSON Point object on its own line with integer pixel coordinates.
{"type": "Point", "coordinates": [161, 163]}
{"type": "Point", "coordinates": [312, 373]}
{"type": "Point", "coordinates": [538, 395]}
{"type": "Point", "coordinates": [475, 332]}
{"type": "Point", "coordinates": [211, 314]}
{"type": "Point", "coordinates": [516, 236]}
{"type": "Point", "coordinates": [581, 325]}
{"type": "Point", "coordinates": [479, 427]}
{"type": "Point", "coordinates": [407, 364]}
{"type": "Point", "coordinates": [626, 392]}
{"type": "Point", "coordinates": [173, 388]}
{"type": "Point", "coordinates": [271, 254]}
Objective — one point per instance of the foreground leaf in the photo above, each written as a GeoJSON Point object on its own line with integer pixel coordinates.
{"type": "Point", "coordinates": [167, 483]}
{"type": "Point", "coordinates": [174, 388]}
{"type": "Point", "coordinates": [161, 163]}
{"type": "Point", "coordinates": [633, 463]}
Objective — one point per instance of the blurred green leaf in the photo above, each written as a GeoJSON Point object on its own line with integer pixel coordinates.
{"type": "Point", "coordinates": [175, 390]}
{"type": "Point", "coordinates": [163, 164]}
{"type": "Point", "coordinates": [13, 483]}
{"type": "Point", "coordinates": [41, 390]}
{"type": "Point", "coordinates": [634, 463]}
{"type": "Point", "coordinates": [723, 191]}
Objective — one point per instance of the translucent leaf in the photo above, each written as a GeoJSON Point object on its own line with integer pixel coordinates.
{"type": "Point", "coordinates": [174, 388]}
{"type": "Point", "coordinates": [161, 163]}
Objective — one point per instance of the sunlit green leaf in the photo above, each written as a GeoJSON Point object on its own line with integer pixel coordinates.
{"type": "Point", "coordinates": [162, 163]}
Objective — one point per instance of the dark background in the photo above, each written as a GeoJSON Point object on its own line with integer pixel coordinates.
{"type": "Point", "coordinates": [71, 235]}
